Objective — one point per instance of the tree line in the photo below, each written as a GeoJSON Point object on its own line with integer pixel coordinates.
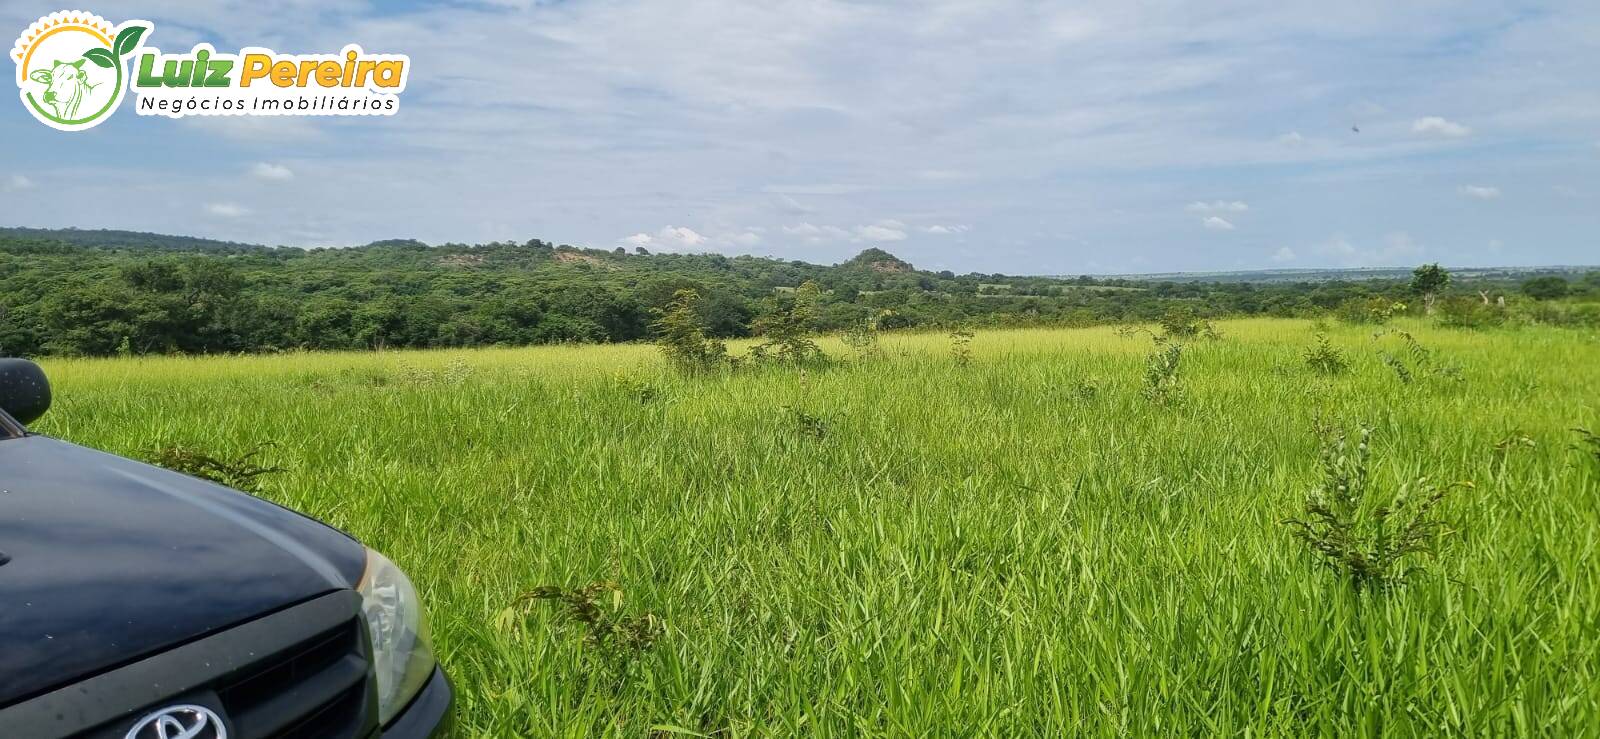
{"type": "Point", "coordinates": [136, 295]}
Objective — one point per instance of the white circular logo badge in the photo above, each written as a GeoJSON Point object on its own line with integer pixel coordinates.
{"type": "Point", "coordinates": [71, 67]}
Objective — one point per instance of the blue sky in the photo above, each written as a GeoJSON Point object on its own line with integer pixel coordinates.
{"type": "Point", "coordinates": [972, 135]}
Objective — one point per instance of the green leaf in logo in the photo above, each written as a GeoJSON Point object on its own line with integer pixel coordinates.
{"type": "Point", "coordinates": [128, 40]}
{"type": "Point", "coordinates": [101, 57]}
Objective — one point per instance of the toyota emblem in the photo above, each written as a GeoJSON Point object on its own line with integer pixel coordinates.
{"type": "Point", "coordinates": [179, 722]}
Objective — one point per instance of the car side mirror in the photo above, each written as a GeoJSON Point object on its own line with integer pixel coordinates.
{"type": "Point", "coordinates": [24, 390]}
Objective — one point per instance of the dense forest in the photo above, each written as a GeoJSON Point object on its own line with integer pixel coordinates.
{"type": "Point", "coordinates": [108, 292]}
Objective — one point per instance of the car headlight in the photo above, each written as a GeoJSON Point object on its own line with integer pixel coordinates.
{"type": "Point", "coordinates": [402, 656]}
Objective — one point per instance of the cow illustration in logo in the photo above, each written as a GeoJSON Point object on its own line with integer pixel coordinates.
{"type": "Point", "coordinates": [67, 85]}
{"type": "Point", "coordinates": [70, 67]}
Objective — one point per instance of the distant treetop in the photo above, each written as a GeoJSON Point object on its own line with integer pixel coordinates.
{"type": "Point", "coordinates": [402, 243]}
{"type": "Point", "coordinates": [114, 239]}
{"type": "Point", "coordinates": [880, 261]}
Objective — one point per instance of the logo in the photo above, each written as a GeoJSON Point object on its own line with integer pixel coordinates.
{"type": "Point", "coordinates": [179, 722]}
{"type": "Point", "coordinates": [70, 67]}
{"type": "Point", "coordinates": [74, 68]}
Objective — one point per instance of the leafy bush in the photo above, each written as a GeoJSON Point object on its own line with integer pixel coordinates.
{"type": "Point", "coordinates": [1373, 310]}
{"type": "Point", "coordinates": [1325, 357]}
{"type": "Point", "coordinates": [1370, 542]}
{"type": "Point", "coordinates": [1417, 359]}
{"type": "Point", "coordinates": [1572, 315]}
{"type": "Point", "coordinates": [616, 640]}
{"type": "Point", "coordinates": [638, 389]}
{"type": "Point", "coordinates": [862, 336]}
{"type": "Point", "coordinates": [789, 329]}
{"type": "Point", "coordinates": [1545, 288]}
{"type": "Point", "coordinates": [239, 472]}
{"type": "Point", "coordinates": [1460, 311]}
{"type": "Point", "coordinates": [1400, 369]}
{"type": "Point", "coordinates": [682, 338]}
{"type": "Point", "coordinates": [961, 346]}
{"type": "Point", "coordinates": [1182, 322]}
{"type": "Point", "coordinates": [807, 425]}
{"type": "Point", "coordinates": [1161, 381]}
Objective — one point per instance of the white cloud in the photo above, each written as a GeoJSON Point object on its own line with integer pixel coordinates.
{"type": "Point", "coordinates": [269, 171]}
{"type": "Point", "coordinates": [815, 232]}
{"type": "Point", "coordinates": [669, 238]}
{"type": "Point", "coordinates": [942, 230]}
{"type": "Point", "coordinates": [227, 210]}
{"type": "Point", "coordinates": [887, 231]}
{"type": "Point", "coordinates": [1218, 206]}
{"type": "Point", "coordinates": [1215, 223]}
{"type": "Point", "coordinates": [1481, 192]}
{"type": "Point", "coordinates": [1435, 126]}
{"type": "Point", "coordinates": [745, 239]}
{"type": "Point", "coordinates": [1283, 254]}
{"type": "Point", "coordinates": [1292, 138]}
{"type": "Point", "coordinates": [679, 236]}
{"type": "Point", "coordinates": [18, 182]}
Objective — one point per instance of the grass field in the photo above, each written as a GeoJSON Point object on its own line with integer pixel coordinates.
{"type": "Point", "coordinates": [904, 546]}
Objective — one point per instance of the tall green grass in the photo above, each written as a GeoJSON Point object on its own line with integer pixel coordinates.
{"type": "Point", "coordinates": [1020, 546]}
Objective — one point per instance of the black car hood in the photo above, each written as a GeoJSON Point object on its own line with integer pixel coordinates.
{"type": "Point", "coordinates": [112, 560]}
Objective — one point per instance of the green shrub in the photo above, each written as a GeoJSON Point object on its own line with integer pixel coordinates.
{"type": "Point", "coordinates": [805, 424]}
{"type": "Point", "coordinates": [615, 640]}
{"type": "Point", "coordinates": [1373, 311]}
{"type": "Point", "coordinates": [1553, 313]}
{"type": "Point", "coordinates": [961, 346]}
{"type": "Point", "coordinates": [1326, 358]}
{"type": "Point", "coordinates": [240, 472]}
{"type": "Point", "coordinates": [1545, 288]}
{"type": "Point", "coordinates": [1460, 311]}
{"type": "Point", "coordinates": [638, 389]}
{"type": "Point", "coordinates": [789, 329]}
{"type": "Point", "coordinates": [1372, 542]}
{"type": "Point", "coordinates": [1416, 360]}
{"type": "Point", "coordinates": [862, 336]}
{"type": "Point", "coordinates": [1181, 321]}
{"type": "Point", "coordinates": [1161, 381]}
{"type": "Point", "coordinates": [682, 338]}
